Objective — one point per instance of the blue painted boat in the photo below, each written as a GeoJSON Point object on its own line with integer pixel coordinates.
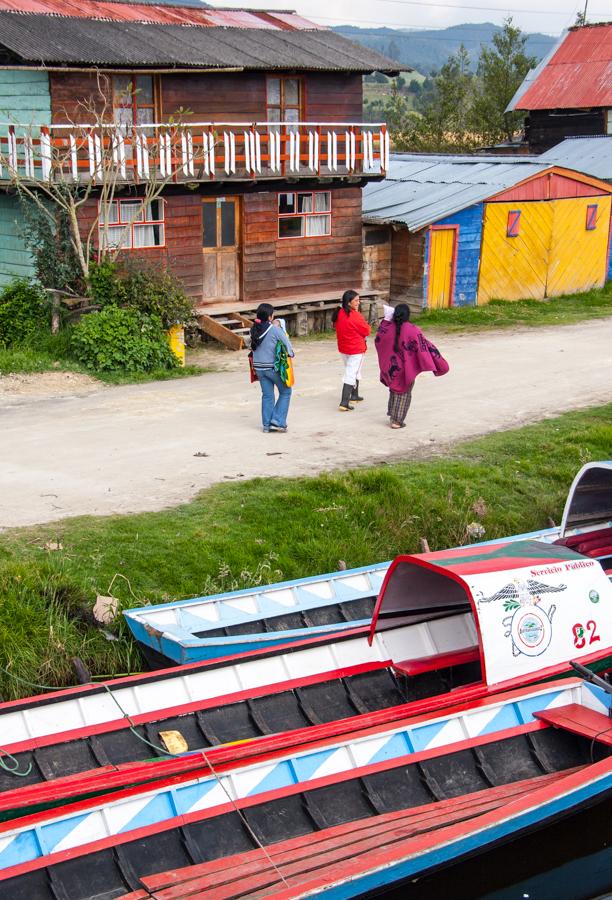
{"type": "Point", "coordinates": [343, 818]}
{"type": "Point", "coordinates": [268, 617]}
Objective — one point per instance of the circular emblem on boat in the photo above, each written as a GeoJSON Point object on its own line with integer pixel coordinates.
{"type": "Point", "coordinates": [531, 631]}
{"type": "Point", "coordinates": [594, 596]}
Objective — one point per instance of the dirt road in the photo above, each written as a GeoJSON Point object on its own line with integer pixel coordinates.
{"type": "Point", "coordinates": [75, 448]}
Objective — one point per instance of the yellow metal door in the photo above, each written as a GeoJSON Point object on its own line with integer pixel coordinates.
{"type": "Point", "coordinates": [441, 250]}
{"type": "Point", "coordinates": [515, 268]}
{"type": "Point", "coordinates": [579, 247]}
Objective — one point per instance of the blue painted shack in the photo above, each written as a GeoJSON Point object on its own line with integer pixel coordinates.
{"type": "Point", "coordinates": [431, 210]}
{"type": "Point", "coordinates": [461, 230]}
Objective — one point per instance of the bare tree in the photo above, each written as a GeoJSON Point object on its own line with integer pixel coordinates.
{"type": "Point", "coordinates": [70, 165]}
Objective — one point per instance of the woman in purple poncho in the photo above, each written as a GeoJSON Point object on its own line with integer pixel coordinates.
{"type": "Point", "coordinates": [403, 353]}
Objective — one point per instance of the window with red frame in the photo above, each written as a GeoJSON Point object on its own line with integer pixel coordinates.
{"type": "Point", "coordinates": [591, 216]}
{"type": "Point", "coordinates": [304, 214]}
{"type": "Point", "coordinates": [514, 221]}
{"type": "Point", "coordinates": [132, 225]}
{"type": "Point", "coordinates": [133, 100]}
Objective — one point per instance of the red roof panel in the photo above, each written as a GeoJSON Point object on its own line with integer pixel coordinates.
{"type": "Point", "coordinates": [578, 74]}
{"type": "Point", "coordinates": [160, 14]}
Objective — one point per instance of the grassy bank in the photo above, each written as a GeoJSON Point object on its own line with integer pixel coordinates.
{"type": "Point", "coordinates": [595, 304]}
{"type": "Point", "coordinates": [236, 535]}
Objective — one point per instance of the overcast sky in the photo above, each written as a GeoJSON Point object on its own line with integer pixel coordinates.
{"type": "Point", "coordinates": [549, 16]}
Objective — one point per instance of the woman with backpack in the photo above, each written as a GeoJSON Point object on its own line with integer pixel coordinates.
{"type": "Point", "coordinates": [351, 333]}
{"type": "Point", "coordinates": [266, 333]}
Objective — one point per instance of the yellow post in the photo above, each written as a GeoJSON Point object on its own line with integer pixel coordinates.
{"type": "Point", "coordinates": [176, 339]}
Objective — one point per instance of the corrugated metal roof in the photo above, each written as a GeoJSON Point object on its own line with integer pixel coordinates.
{"type": "Point", "coordinates": [165, 14]}
{"type": "Point", "coordinates": [590, 155]}
{"type": "Point", "coordinates": [422, 189]}
{"type": "Point", "coordinates": [45, 39]}
{"type": "Point", "coordinates": [577, 74]}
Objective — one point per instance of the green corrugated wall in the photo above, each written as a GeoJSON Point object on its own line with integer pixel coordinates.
{"type": "Point", "coordinates": [25, 100]}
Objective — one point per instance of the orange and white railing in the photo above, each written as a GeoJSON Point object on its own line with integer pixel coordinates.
{"type": "Point", "coordinates": [201, 151]}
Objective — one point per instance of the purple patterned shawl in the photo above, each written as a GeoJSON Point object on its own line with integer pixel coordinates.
{"type": "Point", "coordinates": [398, 370]}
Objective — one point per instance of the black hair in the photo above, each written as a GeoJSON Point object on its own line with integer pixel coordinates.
{"type": "Point", "coordinates": [347, 296]}
{"type": "Point", "coordinates": [265, 312]}
{"type": "Point", "coordinates": [400, 317]}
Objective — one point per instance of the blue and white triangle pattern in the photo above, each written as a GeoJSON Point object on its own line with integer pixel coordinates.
{"type": "Point", "coordinates": [121, 816]}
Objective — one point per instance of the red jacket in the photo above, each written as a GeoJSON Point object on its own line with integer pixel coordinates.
{"type": "Point", "coordinates": [351, 332]}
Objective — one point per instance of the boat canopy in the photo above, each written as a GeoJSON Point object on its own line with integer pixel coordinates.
{"type": "Point", "coordinates": [534, 605]}
{"type": "Point", "coordinates": [589, 502]}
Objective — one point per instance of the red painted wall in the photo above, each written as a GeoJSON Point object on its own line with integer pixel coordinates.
{"type": "Point", "coordinates": [550, 186]}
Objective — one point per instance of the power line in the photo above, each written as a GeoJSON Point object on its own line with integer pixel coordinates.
{"type": "Point", "coordinates": [544, 12]}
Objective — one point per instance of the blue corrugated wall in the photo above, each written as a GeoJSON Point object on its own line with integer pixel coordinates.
{"type": "Point", "coordinates": [25, 100]}
{"type": "Point", "coordinates": [609, 278]}
{"type": "Point", "coordinates": [468, 255]}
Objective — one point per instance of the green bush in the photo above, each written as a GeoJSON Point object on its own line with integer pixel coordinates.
{"type": "Point", "coordinates": [158, 292]}
{"type": "Point", "coordinates": [105, 285]}
{"type": "Point", "coordinates": [151, 291]}
{"type": "Point", "coordinates": [23, 310]}
{"type": "Point", "coordinates": [117, 339]}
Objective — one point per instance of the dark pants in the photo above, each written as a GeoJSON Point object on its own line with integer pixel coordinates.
{"type": "Point", "coordinates": [399, 404]}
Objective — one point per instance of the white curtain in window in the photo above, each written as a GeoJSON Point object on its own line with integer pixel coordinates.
{"type": "Point", "coordinates": [317, 225]}
{"type": "Point", "coordinates": [322, 202]}
{"type": "Point", "coordinates": [305, 203]}
{"type": "Point", "coordinates": [144, 236]}
{"type": "Point", "coordinates": [116, 237]}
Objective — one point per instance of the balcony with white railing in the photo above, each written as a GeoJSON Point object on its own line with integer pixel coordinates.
{"type": "Point", "coordinates": [200, 151]}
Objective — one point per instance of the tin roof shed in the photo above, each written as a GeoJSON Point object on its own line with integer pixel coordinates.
{"type": "Point", "coordinates": [576, 74]}
{"type": "Point", "coordinates": [590, 155]}
{"type": "Point", "coordinates": [420, 189]}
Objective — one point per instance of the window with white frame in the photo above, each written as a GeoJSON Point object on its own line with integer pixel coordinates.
{"type": "Point", "coordinates": [132, 224]}
{"type": "Point", "coordinates": [609, 121]}
{"type": "Point", "coordinates": [304, 214]}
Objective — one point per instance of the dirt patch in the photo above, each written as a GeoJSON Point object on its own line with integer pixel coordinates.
{"type": "Point", "coordinates": [17, 389]}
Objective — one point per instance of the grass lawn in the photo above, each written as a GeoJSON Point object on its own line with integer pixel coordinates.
{"type": "Point", "coordinates": [594, 304]}
{"type": "Point", "coordinates": [237, 535]}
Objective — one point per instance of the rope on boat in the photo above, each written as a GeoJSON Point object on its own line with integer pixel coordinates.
{"type": "Point", "coordinates": [11, 765]}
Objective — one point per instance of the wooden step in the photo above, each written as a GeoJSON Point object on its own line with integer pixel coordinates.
{"type": "Point", "coordinates": [226, 336]}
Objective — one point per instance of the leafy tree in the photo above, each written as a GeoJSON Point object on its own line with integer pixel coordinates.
{"type": "Point", "coordinates": [48, 236]}
{"type": "Point", "coordinates": [446, 107]}
{"type": "Point", "coordinates": [501, 70]}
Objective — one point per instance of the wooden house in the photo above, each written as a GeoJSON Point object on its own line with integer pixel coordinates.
{"type": "Point", "coordinates": [251, 119]}
{"type": "Point", "coordinates": [459, 231]}
{"type": "Point", "coordinates": [570, 92]}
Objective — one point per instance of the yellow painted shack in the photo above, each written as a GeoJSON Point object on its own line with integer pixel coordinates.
{"type": "Point", "coordinates": [546, 236]}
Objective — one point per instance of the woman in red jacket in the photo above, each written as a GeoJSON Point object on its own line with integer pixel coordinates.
{"type": "Point", "coordinates": [351, 333]}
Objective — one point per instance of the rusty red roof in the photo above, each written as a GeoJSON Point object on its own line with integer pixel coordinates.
{"type": "Point", "coordinates": [111, 10]}
{"type": "Point", "coordinates": [576, 74]}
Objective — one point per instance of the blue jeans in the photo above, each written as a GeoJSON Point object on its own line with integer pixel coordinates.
{"type": "Point", "coordinates": [273, 413]}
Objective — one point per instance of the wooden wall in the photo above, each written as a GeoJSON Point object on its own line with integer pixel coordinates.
{"type": "Point", "coordinates": [274, 267]}
{"type": "Point", "coordinates": [183, 251]}
{"type": "Point", "coordinates": [545, 128]}
{"type": "Point", "coordinates": [230, 96]}
{"type": "Point", "coordinates": [407, 261]}
{"type": "Point", "coordinates": [376, 272]}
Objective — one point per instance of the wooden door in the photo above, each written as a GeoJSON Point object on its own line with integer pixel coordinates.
{"type": "Point", "coordinates": [441, 263]}
{"type": "Point", "coordinates": [515, 251]}
{"type": "Point", "coordinates": [221, 248]}
{"type": "Point", "coordinates": [579, 245]}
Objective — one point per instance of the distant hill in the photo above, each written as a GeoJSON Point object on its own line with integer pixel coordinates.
{"type": "Point", "coordinates": [428, 50]}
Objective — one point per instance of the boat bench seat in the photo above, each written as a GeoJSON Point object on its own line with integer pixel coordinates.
{"type": "Point", "coordinates": [437, 661]}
